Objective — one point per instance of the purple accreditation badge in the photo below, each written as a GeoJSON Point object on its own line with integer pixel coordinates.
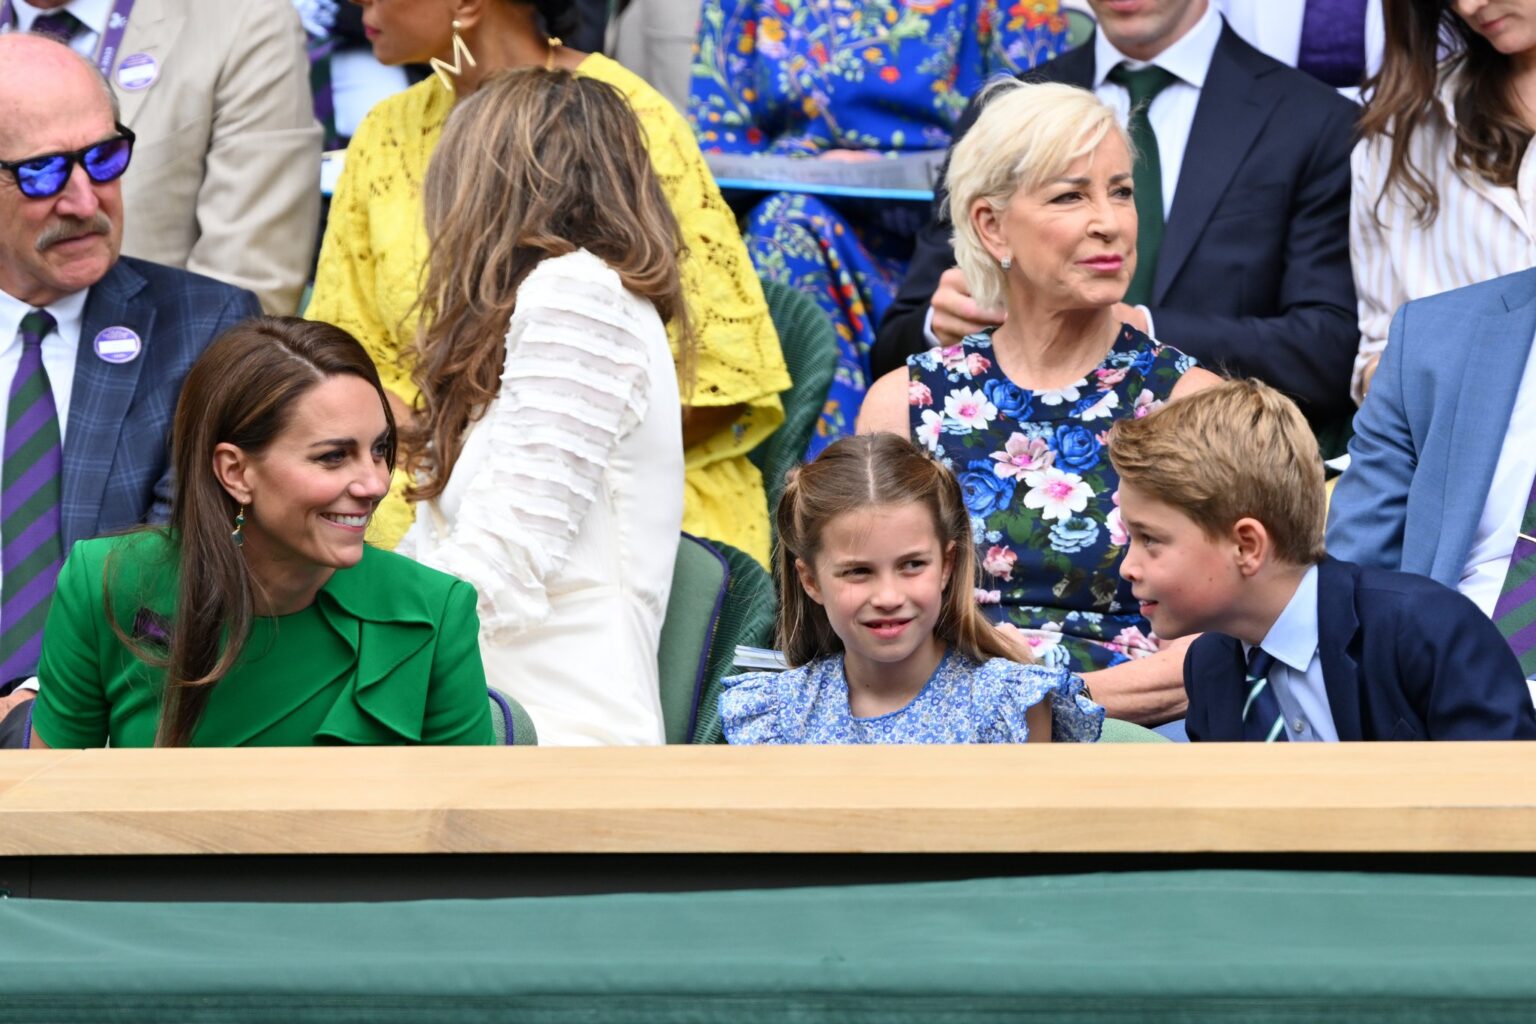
{"type": "Point", "coordinates": [137, 72]}
{"type": "Point", "coordinates": [118, 345]}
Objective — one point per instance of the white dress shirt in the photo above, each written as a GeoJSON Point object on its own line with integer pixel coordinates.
{"type": "Point", "coordinates": [59, 349]}
{"type": "Point", "coordinates": [1483, 231]}
{"type": "Point", "coordinates": [1172, 111]}
{"type": "Point", "coordinates": [1297, 675]}
{"type": "Point", "coordinates": [92, 14]}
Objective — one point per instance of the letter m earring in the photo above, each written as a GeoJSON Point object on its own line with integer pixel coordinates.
{"type": "Point", "coordinates": [461, 58]}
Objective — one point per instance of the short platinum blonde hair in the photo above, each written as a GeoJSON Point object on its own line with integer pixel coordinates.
{"type": "Point", "coordinates": [1027, 134]}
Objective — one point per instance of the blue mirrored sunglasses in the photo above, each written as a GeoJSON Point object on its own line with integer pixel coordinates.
{"type": "Point", "coordinates": [40, 177]}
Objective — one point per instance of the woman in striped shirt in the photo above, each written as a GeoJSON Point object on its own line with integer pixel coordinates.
{"type": "Point", "coordinates": [1443, 196]}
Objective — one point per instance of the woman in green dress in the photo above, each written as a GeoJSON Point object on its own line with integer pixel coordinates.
{"type": "Point", "coordinates": [259, 617]}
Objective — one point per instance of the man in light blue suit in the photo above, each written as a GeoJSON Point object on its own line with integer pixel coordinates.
{"type": "Point", "coordinates": [1443, 460]}
{"type": "Point", "coordinates": [93, 347]}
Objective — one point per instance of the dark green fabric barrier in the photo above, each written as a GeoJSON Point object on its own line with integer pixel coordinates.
{"type": "Point", "coordinates": [1186, 946]}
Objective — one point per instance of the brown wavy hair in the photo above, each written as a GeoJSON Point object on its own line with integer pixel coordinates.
{"type": "Point", "coordinates": [534, 164]}
{"type": "Point", "coordinates": [1491, 136]}
{"type": "Point", "coordinates": [242, 391]}
{"type": "Point", "coordinates": [862, 472]}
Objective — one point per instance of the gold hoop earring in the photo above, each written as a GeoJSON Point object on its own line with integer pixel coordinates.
{"type": "Point", "coordinates": [461, 58]}
{"type": "Point", "coordinates": [236, 535]}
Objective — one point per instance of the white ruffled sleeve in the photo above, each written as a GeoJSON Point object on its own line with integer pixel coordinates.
{"type": "Point", "coordinates": [575, 381]}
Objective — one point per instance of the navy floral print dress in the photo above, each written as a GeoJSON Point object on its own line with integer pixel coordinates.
{"type": "Point", "coordinates": [1043, 497]}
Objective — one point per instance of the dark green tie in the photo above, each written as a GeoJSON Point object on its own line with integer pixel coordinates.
{"type": "Point", "coordinates": [1143, 84]}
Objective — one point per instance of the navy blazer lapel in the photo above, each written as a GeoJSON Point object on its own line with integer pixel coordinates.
{"type": "Point", "coordinates": [1226, 699]}
{"type": "Point", "coordinates": [1337, 624]}
{"type": "Point", "coordinates": [1490, 380]}
{"type": "Point", "coordinates": [101, 396]}
{"type": "Point", "coordinates": [1232, 111]}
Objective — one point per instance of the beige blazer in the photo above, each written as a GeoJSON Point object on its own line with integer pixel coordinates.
{"type": "Point", "coordinates": [225, 179]}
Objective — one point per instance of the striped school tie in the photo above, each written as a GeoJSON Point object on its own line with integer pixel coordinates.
{"type": "Point", "coordinates": [31, 547]}
{"type": "Point", "coordinates": [1262, 720]}
{"type": "Point", "coordinates": [1515, 612]}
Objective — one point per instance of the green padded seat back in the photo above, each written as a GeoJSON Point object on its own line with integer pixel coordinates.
{"type": "Point", "coordinates": [1116, 731]}
{"type": "Point", "coordinates": [810, 354]}
{"type": "Point", "coordinates": [700, 578]}
{"type": "Point", "coordinates": [747, 617]}
{"type": "Point", "coordinates": [510, 722]}
{"type": "Point", "coordinates": [1080, 26]}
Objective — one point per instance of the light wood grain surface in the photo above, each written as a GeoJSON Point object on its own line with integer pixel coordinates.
{"type": "Point", "coordinates": [1057, 799]}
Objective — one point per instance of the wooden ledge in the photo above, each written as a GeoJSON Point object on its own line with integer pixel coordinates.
{"type": "Point", "coordinates": [1153, 798]}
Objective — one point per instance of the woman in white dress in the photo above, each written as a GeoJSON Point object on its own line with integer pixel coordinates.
{"type": "Point", "coordinates": [547, 447]}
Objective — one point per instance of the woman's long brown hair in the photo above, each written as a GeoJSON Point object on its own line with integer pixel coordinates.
{"type": "Point", "coordinates": [1491, 133]}
{"type": "Point", "coordinates": [535, 164]}
{"type": "Point", "coordinates": [241, 391]}
{"type": "Point", "coordinates": [866, 471]}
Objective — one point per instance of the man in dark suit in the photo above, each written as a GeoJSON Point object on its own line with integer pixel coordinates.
{"type": "Point", "coordinates": [93, 347]}
{"type": "Point", "coordinates": [1243, 203]}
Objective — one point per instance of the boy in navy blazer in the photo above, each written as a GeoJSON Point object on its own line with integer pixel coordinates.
{"type": "Point", "coordinates": [1221, 494]}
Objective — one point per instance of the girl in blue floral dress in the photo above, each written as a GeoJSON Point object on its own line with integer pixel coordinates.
{"type": "Point", "coordinates": [876, 566]}
{"type": "Point", "coordinates": [850, 78]}
{"type": "Point", "coordinates": [1043, 499]}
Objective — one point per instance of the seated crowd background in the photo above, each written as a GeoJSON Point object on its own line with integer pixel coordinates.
{"type": "Point", "coordinates": [1092, 386]}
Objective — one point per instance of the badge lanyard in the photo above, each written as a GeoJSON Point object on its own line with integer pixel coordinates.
{"type": "Point", "coordinates": [111, 39]}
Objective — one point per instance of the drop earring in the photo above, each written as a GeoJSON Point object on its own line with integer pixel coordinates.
{"type": "Point", "coordinates": [1006, 261]}
{"type": "Point", "coordinates": [446, 73]}
{"type": "Point", "coordinates": [236, 535]}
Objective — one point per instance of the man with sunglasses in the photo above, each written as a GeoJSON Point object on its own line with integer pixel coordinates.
{"type": "Point", "coordinates": [93, 346]}
{"type": "Point", "coordinates": [227, 178]}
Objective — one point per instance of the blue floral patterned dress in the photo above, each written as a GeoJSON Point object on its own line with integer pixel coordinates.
{"type": "Point", "coordinates": [1043, 497]}
{"type": "Point", "coordinates": [964, 702]}
{"type": "Point", "coordinates": [800, 77]}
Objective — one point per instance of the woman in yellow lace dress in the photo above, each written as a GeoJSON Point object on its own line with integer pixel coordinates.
{"type": "Point", "coordinates": [375, 247]}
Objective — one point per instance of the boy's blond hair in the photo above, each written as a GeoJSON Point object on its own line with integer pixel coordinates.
{"type": "Point", "coordinates": [1237, 450]}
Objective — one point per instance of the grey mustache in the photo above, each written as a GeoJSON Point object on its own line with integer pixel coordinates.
{"type": "Point", "coordinates": [71, 227]}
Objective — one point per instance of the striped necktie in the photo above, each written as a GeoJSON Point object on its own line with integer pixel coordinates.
{"type": "Point", "coordinates": [1515, 612]}
{"type": "Point", "coordinates": [31, 547]}
{"type": "Point", "coordinates": [1262, 720]}
{"type": "Point", "coordinates": [1143, 85]}
{"type": "Point", "coordinates": [60, 25]}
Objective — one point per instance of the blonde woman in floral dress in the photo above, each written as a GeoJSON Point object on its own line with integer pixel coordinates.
{"type": "Point", "coordinates": [375, 246]}
{"type": "Point", "coordinates": [1045, 225]}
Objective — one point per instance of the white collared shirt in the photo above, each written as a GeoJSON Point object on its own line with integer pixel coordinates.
{"type": "Point", "coordinates": [93, 14]}
{"type": "Point", "coordinates": [1297, 675]}
{"type": "Point", "coordinates": [1172, 111]}
{"type": "Point", "coordinates": [59, 349]}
